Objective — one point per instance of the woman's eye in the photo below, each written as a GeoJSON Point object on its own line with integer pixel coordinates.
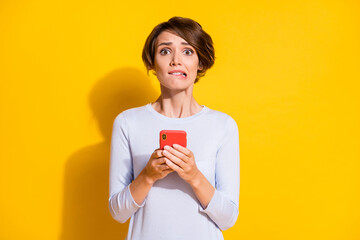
{"type": "Point", "coordinates": [164, 51]}
{"type": "Point", "coordinates": [188, 51]}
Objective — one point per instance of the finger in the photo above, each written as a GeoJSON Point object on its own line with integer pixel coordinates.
{"type": "Point", "coordinates": [174, 159]}
{"type": "Point", "coordinates": [182, 149]}
{"type": "Point", "coordinates": [177, 153]}
{"type": "Point", "coordinates": [166, 172]}
{"type": "Point", "coordinates": [164, 167]}
{"type": "Point", "coordinates": [157, 153]}
{"type": "Point", "coordinates": [159, 161]}
{"type": "Point", "coordinates": [172, 165]}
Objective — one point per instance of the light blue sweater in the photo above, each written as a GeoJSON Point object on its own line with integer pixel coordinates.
{"type": "Point", "coordinates": [171, 209]}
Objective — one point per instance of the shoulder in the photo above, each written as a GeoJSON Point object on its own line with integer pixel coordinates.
{"type": "Point", "coordinates": [130, 114]}
{"type": "Point", "coordinates": [222, 119]}
{"type": "Point", "coordinates": [226, 127]}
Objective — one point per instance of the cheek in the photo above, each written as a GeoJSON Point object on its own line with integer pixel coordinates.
{"type": "Point", "coordinates": [193, 66]}
{"type": "Point", "coordinates": [160, 64]}
{"type": "Point", "coordinates": [194, 61]}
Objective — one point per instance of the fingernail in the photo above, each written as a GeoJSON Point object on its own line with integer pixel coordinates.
{"type": "Point", "coordinates": [166, 147]}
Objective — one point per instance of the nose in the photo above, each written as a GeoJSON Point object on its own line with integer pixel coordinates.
{"type": "Point", "coordinates": [175, 60]}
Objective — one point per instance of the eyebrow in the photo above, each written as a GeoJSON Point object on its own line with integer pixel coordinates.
{"type": "Point", "coordinates": [169, 43]}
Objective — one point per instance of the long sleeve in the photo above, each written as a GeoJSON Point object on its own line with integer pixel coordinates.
{"type": "Point", "coordinates": [223, 208]}
{"type": "Point", "coordinates": [121, 204]}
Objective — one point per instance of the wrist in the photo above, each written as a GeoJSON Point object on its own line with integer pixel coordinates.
{"type": "Point", "coordinates": [195, 181]}
{"type": "Point", "coordinates": [147, 179]}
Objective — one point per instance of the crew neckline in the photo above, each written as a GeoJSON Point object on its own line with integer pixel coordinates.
{"type": "Point", "coordinates": [159, 115]}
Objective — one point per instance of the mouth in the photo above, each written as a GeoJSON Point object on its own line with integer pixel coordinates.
{"type": "Point", "coordinates": [178, 73]}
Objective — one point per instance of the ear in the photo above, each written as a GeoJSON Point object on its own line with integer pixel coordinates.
{"type": "Point", "coordinates": [200, 66]}
{"type": "Point", "coordinates": [153, 72]}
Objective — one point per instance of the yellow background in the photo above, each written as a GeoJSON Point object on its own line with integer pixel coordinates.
{"type": "Point", "coordinates": [286, 71]}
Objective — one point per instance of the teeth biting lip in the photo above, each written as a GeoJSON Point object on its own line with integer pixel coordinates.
{"type": "Point", "coordinates": [177, 73]}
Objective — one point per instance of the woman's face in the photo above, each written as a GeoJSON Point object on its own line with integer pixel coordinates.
{"type": "Point", "coordinates": [176, 62]}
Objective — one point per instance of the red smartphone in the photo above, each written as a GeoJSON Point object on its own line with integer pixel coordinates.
{"type": "Point", "coordinates": [170, 137]}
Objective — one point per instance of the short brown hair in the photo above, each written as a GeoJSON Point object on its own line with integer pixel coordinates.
{"type": "Point", "coordinates": [192, 32]}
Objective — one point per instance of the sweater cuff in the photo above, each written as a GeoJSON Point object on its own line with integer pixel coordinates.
{"type": "Point", "coordinates": [212, 204]}
{"type": "Point", "coordinates": [132, 199]}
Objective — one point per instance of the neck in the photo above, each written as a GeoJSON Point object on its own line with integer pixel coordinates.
{"type": "Point", "coordinates": [177, 104]}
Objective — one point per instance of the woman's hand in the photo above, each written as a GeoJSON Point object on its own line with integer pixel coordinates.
{"type": "Point", "coordinates": [156, 168]}
{"type": "Point", "coordinates": [181, 160]}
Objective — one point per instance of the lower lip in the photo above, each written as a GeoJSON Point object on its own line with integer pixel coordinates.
{"type": "Point", "coordinates": [182, 76]}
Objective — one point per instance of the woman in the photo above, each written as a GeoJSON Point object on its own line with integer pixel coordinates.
{"type": "Point", "coordinates": [178, 192]}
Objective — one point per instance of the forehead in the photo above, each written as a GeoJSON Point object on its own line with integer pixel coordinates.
{"type": "Point", "coordinates": [167, 36]}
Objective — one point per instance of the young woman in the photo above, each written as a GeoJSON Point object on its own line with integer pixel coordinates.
{"type": "Point", "coordinates": [180, 192]}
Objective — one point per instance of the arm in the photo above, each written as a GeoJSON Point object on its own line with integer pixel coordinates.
{"type": "Point", "coordinates": [121, 203]}
{"type": "Point", "coordinates": [223, 208]}
{"type": "Point", "coordinates": [219, 203]}
{"type": "Point", "coordinates": [203, 189]}
{"type": "Point", "coordinates": [182, 161]}
{"type": "Point", "coordinates": [155, 169]}
{"type": "Point", "coordinates": [127, 194]}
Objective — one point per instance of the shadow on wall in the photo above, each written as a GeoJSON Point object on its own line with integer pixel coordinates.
{"type": "Point", "coordinates": [85, 211]}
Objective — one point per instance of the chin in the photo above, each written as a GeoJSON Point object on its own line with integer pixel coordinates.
{"type": "Point", "coordinates": [176, 86]}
